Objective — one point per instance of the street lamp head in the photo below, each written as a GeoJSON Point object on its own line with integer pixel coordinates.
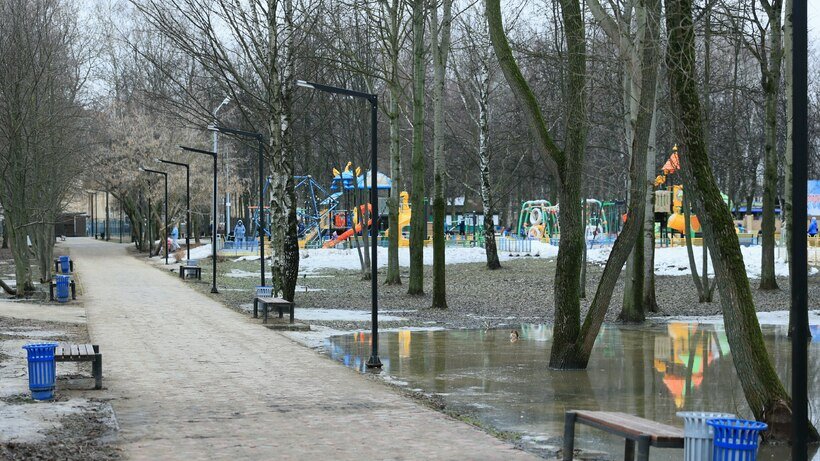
{"type": "Point", "coordinates": [305, 84]}
{"type": "Point", "coordinates": [212, 127]}
{"type": "Point", "coordinates": [141, 168]}
{"type": "Point", "coordinates": [224, 101]}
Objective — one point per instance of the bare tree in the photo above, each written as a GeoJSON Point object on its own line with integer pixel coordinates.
{"type": "Point", "coordinates": [474, 75]}
{"type": "Point", "coordinates": [440, 34]}
{"type": "Point", "coordinates": [252, 60]}
{"type": "Point", "coordinates": [418, 220]}
{"type": "Point", "coordinates": [764, 392]}
{"type": "Point", "coordinates": [42, 125]}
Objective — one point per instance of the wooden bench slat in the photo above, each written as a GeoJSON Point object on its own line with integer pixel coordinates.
{"type": "Point", "coordinates": [75, 350]}
{"type": "Point", "coordinates": [632, 424]}
{"type": "Point", "coordinates": [273, 300]}
{"type": "Point", "coordinates": [622, 423]}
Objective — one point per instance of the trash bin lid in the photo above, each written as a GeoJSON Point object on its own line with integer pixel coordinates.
{"type": "Point", "coordinates": [33, 346]}
{"type": "Point", "coordinates": [732, 423]}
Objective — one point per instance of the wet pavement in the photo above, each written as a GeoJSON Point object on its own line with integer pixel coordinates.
{"type": "Point", "coordinates": [191, 379]}
{"type": "Point", "coordinates": [650, 372]}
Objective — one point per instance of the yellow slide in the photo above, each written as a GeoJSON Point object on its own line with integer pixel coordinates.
{"type": "Point", "coordinates": [404, 219]}
{"type": "Point", "coordinates": [308, 237]}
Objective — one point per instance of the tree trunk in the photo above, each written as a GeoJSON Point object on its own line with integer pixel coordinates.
{"type": "Point", "coordinates": [393, 274]}
{"type": "Point", "coordinates": [764, 393]}
{"type": "Point", "coordinates": [788, 157]}
{"type": "Point", "coordinates": [564, 165]}
{"type": "Point", "coordinates": [633, 310]}
{"type": "Point", "coordinates": [284, 247]}
{"type": "Point", "coordinates": [484, 155]}
{"type": "Point", "coordinates": [693, 268]}
{"type": "Point", "coordinates": [418, 221]}
{"type": "Point", "coordinates": [650, 302]}
{"type": "Point", "coordinates": [634, 222]}
{"type": "Point", "coordinates": [771, 88]}
{"type": "Point", "coordinates": [43, 240]}
{"type": "Point", "coordinates": [440, 45]}
{"type": "Point", "coordinates": [5, 244]}
{"type": "Point", "coordinates": [571, 245]}
{"type": "Point", "coordinates": [19, 249]}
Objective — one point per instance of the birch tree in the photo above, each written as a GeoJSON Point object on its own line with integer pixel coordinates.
{"type": "Point", "coordinates": [474, 75]}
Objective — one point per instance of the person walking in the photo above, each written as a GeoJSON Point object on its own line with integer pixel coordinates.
{"type": "Point", "coordinates": [174, 238]}
{"type": "Point", "coordinates": [813, 227]}
{"type": "Point", "coordinates": [239, 233]}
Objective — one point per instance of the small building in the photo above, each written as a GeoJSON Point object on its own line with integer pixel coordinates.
{"type": "Point", "coordinates": [70, 225]}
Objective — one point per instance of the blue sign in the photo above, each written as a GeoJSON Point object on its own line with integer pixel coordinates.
{"type": "Point", "coordinates": [813, 198]}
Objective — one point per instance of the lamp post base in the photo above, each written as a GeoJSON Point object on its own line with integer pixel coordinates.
{"type": "Point", "coordinates": [214, 290]}
{"type": "Point", "coordinates": [374, 362]}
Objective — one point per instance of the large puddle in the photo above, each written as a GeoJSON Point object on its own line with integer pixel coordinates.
{"type": "Point", "coordinates": [651, 372]}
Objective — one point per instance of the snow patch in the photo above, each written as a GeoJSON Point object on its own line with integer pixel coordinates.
{"type": "Point", "coordinates": [764, 318]}
{"type": "Point", "coordinates": [331, 258]}
{"type": "Point", "coordinates": [347, 315]}
{"type": "Point", "coordinates": [675, 261]}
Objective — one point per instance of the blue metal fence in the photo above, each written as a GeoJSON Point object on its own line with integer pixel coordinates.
{"type": "Point", "coordinates": [514, 245]}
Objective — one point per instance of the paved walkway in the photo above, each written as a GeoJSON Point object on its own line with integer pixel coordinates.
{"type": "Point", "coordinates": [190, 379]}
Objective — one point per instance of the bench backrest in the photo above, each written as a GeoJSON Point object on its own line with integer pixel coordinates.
{"type": "Point", "coordinates": [264, 292]}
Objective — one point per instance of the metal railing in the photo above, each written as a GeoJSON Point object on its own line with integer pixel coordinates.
{"type": "Point", "coordinates": [514, 245]}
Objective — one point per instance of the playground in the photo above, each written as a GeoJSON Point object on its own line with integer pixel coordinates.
{"type": "Point", "coordinates": [409, 230]}
{"type": "Point", "coordinates": [456, 360]}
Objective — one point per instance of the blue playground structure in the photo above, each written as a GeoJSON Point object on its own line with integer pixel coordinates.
{"type": "Point", "coordinates": [314, 210]}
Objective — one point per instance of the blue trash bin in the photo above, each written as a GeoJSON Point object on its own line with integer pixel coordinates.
{"type": "Point", "coordinates": [63, 282]}
{"type": "Point", "coordinates": [65, 266]}
{"type": "Point", "coordinates": [42, 370]}
{"type": "Point", "coordinates": [735, 439]}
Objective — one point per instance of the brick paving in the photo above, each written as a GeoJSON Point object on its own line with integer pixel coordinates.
{"type": "Point", "coordinates": [191, 379]}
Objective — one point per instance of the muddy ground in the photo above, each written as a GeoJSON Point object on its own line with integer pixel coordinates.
{"type": "Point", "coordinates": [522, 291]}
{"type": "Point", "coordinates": [75, 425]}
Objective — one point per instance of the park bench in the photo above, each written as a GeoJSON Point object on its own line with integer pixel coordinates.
{"type": "Point", "coordinates": [633, 428]}
{"type": "Point", "coordinates": [746, 239]}
{"type": "Point", "coordinates": [57, 265]}
{"type": "Point", "coordinates": [264, 298]}
{"type": "Point", "coordinates": [53, 283]}
{"type": "Point", "coordinates": [82, 353]}
{"type": "Point", "coordinates": [190, 265]}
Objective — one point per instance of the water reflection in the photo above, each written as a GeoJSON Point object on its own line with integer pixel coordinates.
{"type": "Point", "coordinates": [652, 373]}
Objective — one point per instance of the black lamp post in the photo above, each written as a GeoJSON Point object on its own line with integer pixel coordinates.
{"type": "Point", "coordinates": [165, 176]}
{"type": "Point", "coordinates": [799, 292]}
{"type": "Point", "coordinates": [260, 150]}
{"type": "Point", "coordinates": [213, 232]}
{"type": "Point", "coordinates": [148, 223]}
{"type": "Point", "coordinates": [91, 208]}
{"type": "Point", "coordinates": [107, 227]}
{"type": "Point", "coordinates": [374, 361]}
{"type": "Point", "coordinates": [93, 196]}
{"type": "Point", "coordinates": [187, 202]}
{"type": "Point", "coordinates": [121, 220]}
